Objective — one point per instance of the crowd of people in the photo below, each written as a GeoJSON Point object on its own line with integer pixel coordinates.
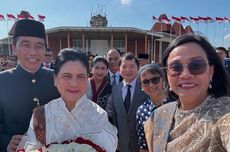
{"type": "Point", "coordinates": [119, 101]}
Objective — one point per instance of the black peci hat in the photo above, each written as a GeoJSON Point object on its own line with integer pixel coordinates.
{"type": "Point", "coordinates": [28, 27]}
{"type": "Point", "coordinates": [143, 56]}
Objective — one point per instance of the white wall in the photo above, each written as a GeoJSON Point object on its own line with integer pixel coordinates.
{"type": "Point", "coordinates": [99, 47]}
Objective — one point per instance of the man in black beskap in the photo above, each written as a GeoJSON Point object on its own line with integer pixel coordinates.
{"type": "Point", "coordinates": [25, 87]}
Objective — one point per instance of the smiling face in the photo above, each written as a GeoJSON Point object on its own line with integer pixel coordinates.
{"type": "Point", "coordinates": [48, 57]}
{"type": "Point", "coordinates": [113, 59]}
{"type": "Point", "coordinates": [71, 81]}
{"type": "Point", "coordinates": [153, 90]}
{"type": "Point", "coordinates": [30, 52]}
{"type": "Point", "coordinates": [99, 71]}
{"type": "Point", "coordinates": [128, 70]}
{"type": "Point", "coordinates": [190, 88]}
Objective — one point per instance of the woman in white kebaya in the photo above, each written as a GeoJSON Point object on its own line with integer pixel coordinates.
{"type": "Point", "coordinates": [73, 114]}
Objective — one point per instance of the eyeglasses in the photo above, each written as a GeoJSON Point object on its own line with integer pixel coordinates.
{"type": "Point", "coordinates": [195, 67]}
{"type": "Point", "coordinates": [154, 80]}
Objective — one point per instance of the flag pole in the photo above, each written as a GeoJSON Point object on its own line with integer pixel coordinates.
{"type": "Point", "coordinates": [206, 26]}
{"type": "Point", "coordinates": [161, 40]}
{"type": "Point", "coordinates": [197, 27]}
{"type": "Point", "coordinates": [223, 35]}
{"type": "Point", "coordinates": [7, 24]}
{"type": "Point", "coordinates": [170, 39]}
{"type": "Point", "coordinates": [153, 51]}
{"type": "Point", "coordinates": [215, 34]}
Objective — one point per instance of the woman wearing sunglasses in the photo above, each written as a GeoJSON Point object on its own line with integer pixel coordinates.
{"type": "Point", "coordinates": [152, 80]}
{"type": "Point", "coordinates": [200, 120]}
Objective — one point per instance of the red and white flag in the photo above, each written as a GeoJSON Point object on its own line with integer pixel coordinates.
{"type": "Point", "coordinates": [11, 17]}
{"type": "Point", "coordinates": [183, 19]}
{"type": "Point", "coordinates": [30, 17]}
{"type": "Point", "coordinates": [194, 19]}
{"type": "Point", "coordinates": [20, 17]}
{"type": "Point", "coordinates": [154, 18]}
{"type": "Point", "coordinates": [210, 20]}
{"type": "Point", "coordinates": [164, 19]}
{"type": "Point", "coordinates": [219, 19]}
{"type": "Point", "coordinates": [226, 20]}
{"type": "Point", "coordinates": [176, 19]}
{"type": "Point", "coordinates": [2, 17]}
{"type": "Point", "coordinates": [202, 19]}
{"type": "Point", "coordinates": [41, 18]}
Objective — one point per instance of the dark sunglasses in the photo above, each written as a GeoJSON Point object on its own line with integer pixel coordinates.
{"type": "Point", "coordinates": [154, 80]}
{"type": "Point", "coordinates": [195, 67]}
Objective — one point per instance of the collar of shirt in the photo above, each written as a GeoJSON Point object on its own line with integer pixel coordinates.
{"type": "Point", "coordinates": [29, 70]}
{"type": "Point", "coordinates": [111, 75]}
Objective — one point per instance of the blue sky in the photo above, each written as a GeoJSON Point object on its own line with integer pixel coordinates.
{"type": "Point", "coordinates": [123, 13]}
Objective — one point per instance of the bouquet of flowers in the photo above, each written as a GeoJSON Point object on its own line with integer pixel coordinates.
{"type": "Point", "coordinates": [78, 145]}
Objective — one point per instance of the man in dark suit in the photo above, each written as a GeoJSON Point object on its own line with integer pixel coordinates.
{"type": "Point", "coordinates": [48, 61]}
{"type": "Point", "coordinates": [113, 57]}
{"type": "Point", "coordinates": [127, 96]}
{"type": "Point", "coordinates": [25, 87]}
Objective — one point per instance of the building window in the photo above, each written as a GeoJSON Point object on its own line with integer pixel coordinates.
{"type": "Point", "coordinates": [78, 44]}
{"type": "Point", "coordinates": [120, 44]}
{"type": "Point", "coordinates": [1, 49]}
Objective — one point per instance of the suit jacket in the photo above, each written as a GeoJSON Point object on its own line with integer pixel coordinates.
{"type": "Point", "coordinates": [126, 122]}
{"type": "Point", "coordinates": [227, 64]}
{"type": "Point", "coordinates": [20, 91]}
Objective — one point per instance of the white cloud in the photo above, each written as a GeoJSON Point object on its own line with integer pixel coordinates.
{"type": "Point", "coordinates": [227, 37]}
{"type": "Point", "coordinates": [126, 2]}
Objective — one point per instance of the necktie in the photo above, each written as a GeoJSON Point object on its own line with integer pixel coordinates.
{"type": "Point", "coordinates": [114, 80]}
{"type": "Point", "coordinates": [127, 97]}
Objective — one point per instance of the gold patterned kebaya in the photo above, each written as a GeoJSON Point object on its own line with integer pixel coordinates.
{"type": "Point", "coordinates": [204, 128]}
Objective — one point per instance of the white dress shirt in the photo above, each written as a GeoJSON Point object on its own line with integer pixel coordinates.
{"type": "Point", "coordinates": [124, 88]}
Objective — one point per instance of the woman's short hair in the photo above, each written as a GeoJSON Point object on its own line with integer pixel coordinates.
{"type": "Point", "coordinates": [152, 68]}
{"type": "Point", "coordinates": [220, 81]}
{"type": "Point", "coordinates": [69, 54]}
{"type": "Point", "coordinates": [100, 59]}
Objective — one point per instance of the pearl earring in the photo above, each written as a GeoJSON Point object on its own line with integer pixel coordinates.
{"type": "Point", "coordinates": [210, 85]}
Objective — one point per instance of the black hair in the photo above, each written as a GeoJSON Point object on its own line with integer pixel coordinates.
{"type": "Point", "coordinates": [220, 81]}
{"type": "Point", "coordinates": [100, 59]}
{"type": "Point", "coordinates": [15, 39]}
{"type": "Point", "coordinates": [69, 54]}
{"type": "Point", "coordinates": [129, 56]}
{"type": "Point", "coordinates": [152, 68]}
